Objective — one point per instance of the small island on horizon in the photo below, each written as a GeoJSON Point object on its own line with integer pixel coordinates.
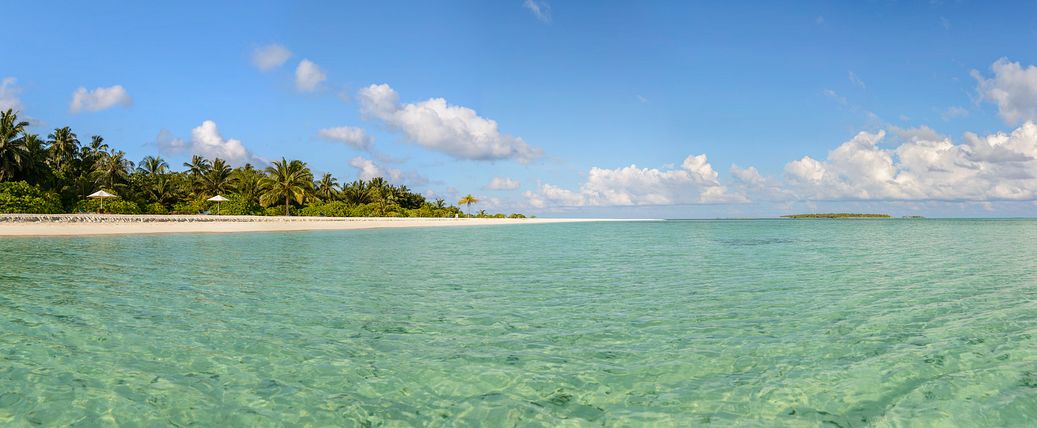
{"type": "Point", "coordinates": [836, 215]}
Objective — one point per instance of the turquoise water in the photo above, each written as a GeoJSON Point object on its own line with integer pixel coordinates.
{"type": "Point", "coordinates": [690, 323]}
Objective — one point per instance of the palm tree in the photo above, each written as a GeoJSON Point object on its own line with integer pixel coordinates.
{"type": "Point", "coordinates": [163, 189]}
{"type": "Point", "coordinates": [196, 169]}
{"type": "Point", "coordinates": [34, 169]}
{"type": "Point", "coordinates": [13, 151]}
{"type": "Point", "coordinates": [468, 200]}
{"type": "Point", "coordinates": [287, 180]}
{"type": "Point", "coordinates": [357, 192]}
{"type": "Point", "coordinates": [97, 144]}
{"type": "Point", "coordinates": [112, 169]}
{"type": "Point", "coordinates": [327, 187]}
{"type": "Point", "coordinates": [63, 146]}
{"type": "Point", "coordinates": [249, 184]}
{"type": "Point", "coordinates": [218, 177]}
{"type": "Point", "coordinates": [153, 166]}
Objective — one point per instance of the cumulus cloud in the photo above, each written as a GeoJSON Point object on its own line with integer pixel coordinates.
{"type": "Point", "coordinates": [206, 141]}
{"type": "Point", "coordinates": [914, 134]}
{"type": "Point", "coordinates": [308, 76]}
{"type": "Point", "coordinates": [351, 136]}
{"type": "Point", "coordinates": [540, 9]}
{"type": "Point", "coordinates": [269, 57]}
{"type": "Point", "coordinates": [1013, 88]}
{"type": "Point", "coordinates": [454, 130]}
{"type": "Point", "coordinates": [502, 183]}
{"type": "Point", "coordinates": [694, 182]}
{"type": "Point", "coordinates": [368, 169]}
{"type": "Point", "coordinates": [926, 167]}
{"type": "Point", "coordinates": [9, 94]}
{"type": "Point", "coordinates": [99, 99]}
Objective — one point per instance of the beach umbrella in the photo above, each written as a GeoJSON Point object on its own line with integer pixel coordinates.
{"type": "Point", "coordinates": [102, 195]}
{"type": "Point", "coordinates": [217, 199]}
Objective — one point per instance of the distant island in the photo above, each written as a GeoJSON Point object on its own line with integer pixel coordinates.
{"type": "Point", "coordinates": [836, 215]}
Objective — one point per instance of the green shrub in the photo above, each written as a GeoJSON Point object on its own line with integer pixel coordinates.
{"type": "Point", "coordinates": [22, 197]}
{"type": "Point", "coordinates": [190, 207]}
{"type": "Point", "coordinates": [274, 210]}
{"type": "Point", "coordinates": [239, 206]}
{"type": "Point", "coordinates": [330, 209]}
{"type": "Point", "coordinates": [154, 208]}
{"type": "Point", "coordinates": [111, 206]}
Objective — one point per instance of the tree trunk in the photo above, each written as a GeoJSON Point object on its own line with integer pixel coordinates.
{"type": "Point", "coordinates": [286, 206]}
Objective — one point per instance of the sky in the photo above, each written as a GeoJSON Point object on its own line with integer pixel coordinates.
{"type": "Point", "coordinates": [564, 108]}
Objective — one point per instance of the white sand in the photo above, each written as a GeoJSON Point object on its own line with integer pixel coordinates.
{"type": "Point", "coordinates": [91, 224]}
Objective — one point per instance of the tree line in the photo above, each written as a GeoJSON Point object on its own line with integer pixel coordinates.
{"type": "Point", "coordinates": [57, 174]}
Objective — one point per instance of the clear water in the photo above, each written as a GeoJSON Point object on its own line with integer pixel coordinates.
{"type": "Point", "coordinates": [772, 323]}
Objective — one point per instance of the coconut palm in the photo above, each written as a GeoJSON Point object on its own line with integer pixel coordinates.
{"type": "Point", "coordinates": [13, 151]}
{"type": "Point", "coordinates": [113, 169]}
{"type": "Point", "coordinates": [326, 188]}
{"type": "Point", "coordinates": [153, 166]}
{"type": "Point", "coordinates": [64, 145]}
{"type": "Point", "coordinates": [357, 192]}
{"type": "Point", "coordinates": [163, 189]}
{"type": "Point", "coordinates": [468, 200]}
{"type": "Point", "coordinates": [249, 184]}
{"type": "Point", "coordinates": [217, 179]}
{"type": "Point", "coordinates": [196, 169]}
{"type": "Point", "coordinates": [288, 181]}
{"type": "Point", "coordinates": [34, 168]}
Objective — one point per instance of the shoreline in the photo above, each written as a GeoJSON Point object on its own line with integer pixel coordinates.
{"type": "Point", "coordinates": [39, 225]}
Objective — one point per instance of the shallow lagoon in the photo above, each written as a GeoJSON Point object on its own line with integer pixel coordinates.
{"type": "Point", "coordinates": [769, 322]}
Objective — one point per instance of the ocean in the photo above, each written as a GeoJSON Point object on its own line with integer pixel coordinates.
{"type": "Point", "coordinates": [669, 323]}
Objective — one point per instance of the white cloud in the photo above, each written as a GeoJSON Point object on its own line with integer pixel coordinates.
{"type": "Point", "coordinates": [918, 133]}
{"type": "Point", "coordinates": [308, 76]}
{"type": "Point", "coordinates": [99, 99]}
{"type": "Point", "coordinates": [954, 112]}
{"type": "Point", "coordinates": [368, 169]}
{"type": "Point", "coordinates": [206, 141]}
{"type": "Point", "coordinates": [351, 136]}
{"type": "Point", "coordinates": [168, 143]}
{"type": "Point", "coordinates": [857, 81]}
{"type": "Point", "coordinates": [269, 57]}
{"type": "Point", "coordinates": [455, 130]}
{"type": "Point", "coordinates": [694, 182]}
{"type": "Point", "coordinates": [502, 183]}
{"type": "Point", "coordinates": [926, 167]}
{"type": "Point", "coordinates": [1013, 88]}
{"type": "Point", "coordinates": [9, 94]}
{"type": "Point", "coordinates": [539, 8]}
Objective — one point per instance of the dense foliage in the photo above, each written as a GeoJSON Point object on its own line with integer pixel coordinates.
{"type": "Point", "coordinates": [22, 197]}
{"type": "Point", "coordinates": [838, 215]}
{"type": "Point", "coordinates": [56, 174]}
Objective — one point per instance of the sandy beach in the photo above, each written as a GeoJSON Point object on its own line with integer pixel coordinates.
{"type": "Point", "coordinates": [111, 224]}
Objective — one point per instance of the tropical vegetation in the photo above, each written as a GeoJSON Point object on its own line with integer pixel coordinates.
{"type": "Point", "coordinates": [836, 215]}
{"type": "Point", "coordinates": [56, 174]}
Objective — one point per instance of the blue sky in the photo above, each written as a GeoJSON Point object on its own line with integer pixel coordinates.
{"type": "Point", "coordinates": [579, 92]}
